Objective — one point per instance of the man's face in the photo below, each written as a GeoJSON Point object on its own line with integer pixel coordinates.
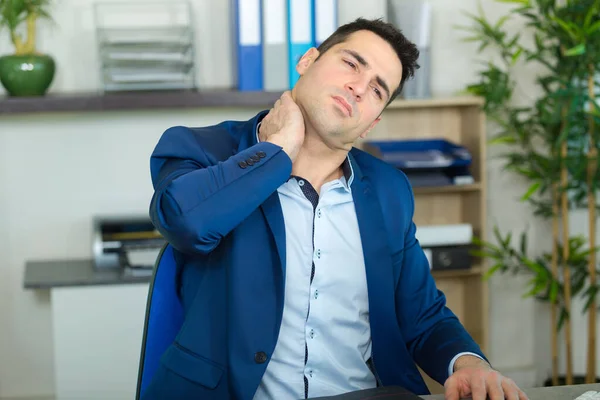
{"type": "Point", "coordinates": [343, 93]}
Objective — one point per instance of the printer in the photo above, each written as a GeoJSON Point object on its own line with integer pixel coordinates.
{"type": "Point", "coordinates": [128, 241]}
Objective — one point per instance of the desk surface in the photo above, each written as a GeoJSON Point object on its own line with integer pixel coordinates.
{"type": "Point", "coordinates": [49, 274]}
{"type": "Point", "coordinates": [546, 393]}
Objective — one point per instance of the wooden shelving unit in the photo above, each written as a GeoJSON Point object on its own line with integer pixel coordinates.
{"type": "Point", "coordinates": [460, 120]}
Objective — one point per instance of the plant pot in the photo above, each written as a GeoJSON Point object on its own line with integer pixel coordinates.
{"type": "Point", "coordinates": [29, 75]}
{"type": "Point", "coordinates": [562, 380]}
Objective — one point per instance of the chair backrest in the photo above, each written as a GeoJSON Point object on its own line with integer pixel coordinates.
{"type": "Point", "coordinates": [164, 317]}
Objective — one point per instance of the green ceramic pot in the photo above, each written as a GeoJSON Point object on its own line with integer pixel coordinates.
{"type": "Point", "coordinates": [29, 75]}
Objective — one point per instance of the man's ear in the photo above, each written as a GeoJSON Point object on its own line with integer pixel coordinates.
{"type": "Point", "coordinates": [306, 60]}
{"type": "Point", "coordinates": [364, 134]}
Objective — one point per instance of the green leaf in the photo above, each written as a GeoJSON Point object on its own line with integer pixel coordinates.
{"type": "Point", "coordinates": [523, 244]}
{"type": "Point", "coordinates": [576, 51]}
{"type": "Point", "coordinates": [503, 139]}
{"type": "Point", "coordinates": [515, 57]}
{"type": "Point", "coordinates": [488, 274]}
{"type": "Point", "coordinates": [568, 27]}
{"type": "Point", "coordinates": [593, 28]}
{"type": "Point", "coordinates": [535, 267]}
{"type": "Point", "coordinates": [563, 317]}
{"type": "Point", "coordinates": [532, 189]}
{"type": "Point", "coordinates": [591, 294]}
{"type": "Point", "coordinates": [536, 289]}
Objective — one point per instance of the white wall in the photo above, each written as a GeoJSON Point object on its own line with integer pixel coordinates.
{"type": "Point", "coordinates": [57, 170]}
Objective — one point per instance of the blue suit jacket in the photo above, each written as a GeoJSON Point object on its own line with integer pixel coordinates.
{"type": "Point", "coordinates": [216, 202]}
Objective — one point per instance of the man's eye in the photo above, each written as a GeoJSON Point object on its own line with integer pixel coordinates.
{"type": "Point", "coordinates": [350, 63]}
{"type": "Point", "coordinates": [377, 92]}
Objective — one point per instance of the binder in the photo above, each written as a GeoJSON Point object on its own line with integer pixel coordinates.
{"type": "Point", "coordinates": [248, 49]}
{"type": "Point", "coordinates": [325, 17]}
{"type": "Point", "coordinates": [275, 50]}
{"type": "Point", "coordinates": [300, 27]}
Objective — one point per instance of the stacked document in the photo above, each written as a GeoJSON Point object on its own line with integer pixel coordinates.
{"type": "Point", "coordinates": [145, 46]}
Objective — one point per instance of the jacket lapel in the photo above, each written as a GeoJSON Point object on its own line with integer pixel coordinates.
{"type": "Point", "coordinates": [377, 256]}
{"type": "Point", "coordinates": [271, 209]}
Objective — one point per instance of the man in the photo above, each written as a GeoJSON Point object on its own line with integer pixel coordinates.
{"type": "Point", "coordinates": [300, 273]}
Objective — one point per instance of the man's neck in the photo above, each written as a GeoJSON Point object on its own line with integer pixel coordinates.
{"type": "Point", "coordinates": [318, 163]}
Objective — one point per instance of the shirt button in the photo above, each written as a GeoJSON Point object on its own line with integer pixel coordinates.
{"type": "Point", "coordinates": [310, 373]}
{"type": "Point", "coordinates": [301, 182]}
{"type": "Point", "coordinates": [312, 334]}
{"type": "Point", "coordinates": [316, 294]}
{"type": "Point", "coordinates": [319, 213]}
{"type": "Point", "coordinates": [319, 253]}
{"type": "Point", "coordinates": [260, 357]}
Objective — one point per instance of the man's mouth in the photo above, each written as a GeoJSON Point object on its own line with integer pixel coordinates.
{"type": "Point", "coordinates": [342, 102]}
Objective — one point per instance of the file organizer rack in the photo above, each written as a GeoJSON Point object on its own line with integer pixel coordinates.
{"type": "Point", "coordinates": [145, 45]}
{"type": "Point", "coordinates": [459, 120]}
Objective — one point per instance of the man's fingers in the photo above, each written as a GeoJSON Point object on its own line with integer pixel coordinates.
{"type": "Point", "coordinates": [494, 386]}
{"type": "Point", "coordinates": [478, 391]}
{"type": "Point", "coordinates": [522, 395]}
{"type": "Point", "coordinates": [510, 389]}
{"type": "Point", "coordinates": [286, 96]}
{"type": "Point", "coordinates": [451, 389]}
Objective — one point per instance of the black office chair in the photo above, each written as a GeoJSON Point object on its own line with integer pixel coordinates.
{"type": "Point", "coordinates": [164, 317]}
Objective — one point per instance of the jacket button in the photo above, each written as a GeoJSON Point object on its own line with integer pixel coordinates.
{"type": "Point", "coordinates": [249, 162]}
{"type": "Point", "coordinates": [242, 164]}
{"type": "Point", "coordinates": [261, 154]}
{"type": "Point", "coordinates": [260, 357]}
{"type": "Point", "coordinates": [255, 158]}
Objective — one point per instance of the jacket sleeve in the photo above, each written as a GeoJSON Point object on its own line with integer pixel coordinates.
{"type": "Point", "coordinates": [198, 199]}
{"type": "Point", "coordinates": [433, 333]}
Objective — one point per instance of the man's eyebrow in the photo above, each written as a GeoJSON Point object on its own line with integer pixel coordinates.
{"type": "Point", "coordinates": [365, 64]}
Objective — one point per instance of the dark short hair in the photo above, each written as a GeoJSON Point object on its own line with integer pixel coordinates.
{"type": "Point", "coordinates": [406, 50]}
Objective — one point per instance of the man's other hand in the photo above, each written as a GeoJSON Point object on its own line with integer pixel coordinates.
{"type": "Point", "coordinates": [475, 378]}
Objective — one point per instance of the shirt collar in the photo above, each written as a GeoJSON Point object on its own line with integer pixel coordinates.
{"type": "Point", "coordinates": [347, 167]}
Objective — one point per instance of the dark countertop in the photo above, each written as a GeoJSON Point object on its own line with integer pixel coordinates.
{"type": "Point", "coordinates": [62, 273]}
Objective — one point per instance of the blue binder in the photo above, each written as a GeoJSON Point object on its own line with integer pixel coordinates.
{"type": "Point", "coordinates": [248, 46]}
{"type": "Point", "coordinates": [300, 34]}
{"type": "Point", "coordinates": [325, 19]}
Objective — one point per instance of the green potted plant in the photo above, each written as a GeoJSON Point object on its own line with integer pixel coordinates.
{"type": "Point", "coordinates": [26, 72]}
{"type": "Point", "coordinates": [553, 144]}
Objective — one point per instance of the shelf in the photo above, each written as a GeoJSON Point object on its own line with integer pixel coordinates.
{"type": "Point", "coordinates": [128, 101]}
{"type": "Point", "coordinates": [458, 273]}
{"type": "Point", "coordinates": [447, 189]}
{"type": "Point", "coordinates": [458, 101]}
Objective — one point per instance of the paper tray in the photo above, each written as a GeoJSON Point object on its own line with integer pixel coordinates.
{"type": "Point", "coordinates": [420, 154]}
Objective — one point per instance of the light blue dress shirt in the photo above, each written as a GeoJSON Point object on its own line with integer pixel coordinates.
{"type": "Point", "coordinates": [324, 342]}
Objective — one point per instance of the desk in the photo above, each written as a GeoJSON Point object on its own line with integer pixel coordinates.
{"type": "Point", "coordinates": [97, 325]}
{"type": "Point", "coordinates": [546, 393]}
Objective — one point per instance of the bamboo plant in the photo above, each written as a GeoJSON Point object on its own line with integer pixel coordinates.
{"type": "Point", "coordinates": [552, 143]}
{"type": "Point", "coordinates": [18, 14]}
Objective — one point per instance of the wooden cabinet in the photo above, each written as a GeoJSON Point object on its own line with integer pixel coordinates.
{"type": "Point", "coordinates": [462, 121]}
